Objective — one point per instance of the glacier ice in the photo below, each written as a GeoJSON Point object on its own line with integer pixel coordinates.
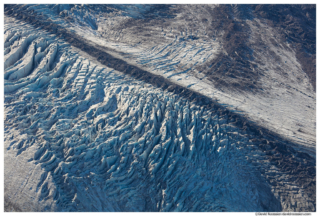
{"type": "Point", "coordinates": [93, 139]}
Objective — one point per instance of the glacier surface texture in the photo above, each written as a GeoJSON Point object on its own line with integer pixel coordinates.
{"type": "Point", "coordinates": [159, 108]}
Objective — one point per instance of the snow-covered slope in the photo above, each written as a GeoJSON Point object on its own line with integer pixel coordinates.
{"type": "Point", "coordinates": [86, 131]}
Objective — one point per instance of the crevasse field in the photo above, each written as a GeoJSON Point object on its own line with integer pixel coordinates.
{"type": "Point", "coordinates": [159, 108]}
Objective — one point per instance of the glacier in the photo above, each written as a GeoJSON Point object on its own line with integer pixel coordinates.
{"type": "Point", "coordinates": [103, 125]}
